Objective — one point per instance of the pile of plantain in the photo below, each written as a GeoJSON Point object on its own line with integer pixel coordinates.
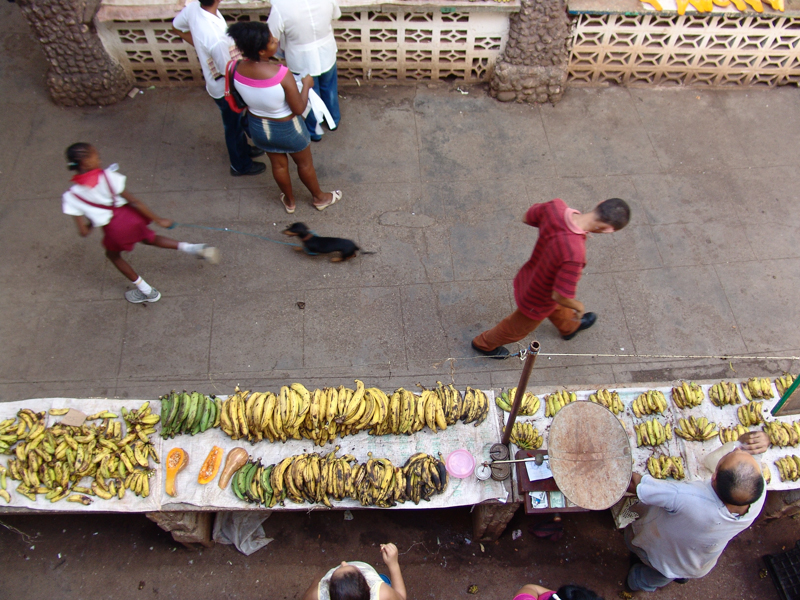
{"type": "Point", "coordinates": [757, 388]}
{"type": "Point", "coordinates": [556, 401]}
{"type": "Point", "coordinates": [687, 395]}
{"type": "Point", "coordinates": [750, 414]}
{"type": "Point", "coordinates": [324, 414]}
{"type": "Point", "coordinates": [662, 467]}
{"type": "Point", "coordinates": [53, 461]}
{"type": "Point", "coordinates": [649, 403]}
{"type": "Point", "coordinates": [188, 413]}
{"type": "Point", "coordinates": [317, 479]}
{"type": "Point", "coordinates": [608, 399]}
{"type": "Point", "coordinates": [652, 433]}
{"type": "Point", "coordinates": [731, 434]}
{"type": "Point", "coordinates": [784, 383]}
{"type": "Point", "coordinates": [697, 430]}
{"type": "Point", "coordinates": [789, 467]}
{"type": "Point", "coordinates": [525, 436]}
{"type": "Point", "coordinates": [529, 405]}
{"type": "Point", "coordinates": [783, 434]}
{"type": "Point", "coordinates": [724, 393]}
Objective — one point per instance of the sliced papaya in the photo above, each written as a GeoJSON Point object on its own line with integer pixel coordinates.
{"type": "Point", "coordinates": [210, 466]}
{"type": "Point", "coordinates": [177, 459]}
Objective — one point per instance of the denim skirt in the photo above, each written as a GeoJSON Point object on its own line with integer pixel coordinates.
{"type": "Point", "coordinates": [279, 137]}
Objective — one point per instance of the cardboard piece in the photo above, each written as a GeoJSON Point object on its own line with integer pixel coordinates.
{"type": "Point", "coordinates": [74, 418]}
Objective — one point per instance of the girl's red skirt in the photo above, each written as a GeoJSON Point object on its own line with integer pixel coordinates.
{"type": "Point", "coordinates": [126, 228]}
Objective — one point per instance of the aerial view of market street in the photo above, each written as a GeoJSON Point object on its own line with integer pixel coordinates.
{"type": "Point", "coordinates": [400, 299]}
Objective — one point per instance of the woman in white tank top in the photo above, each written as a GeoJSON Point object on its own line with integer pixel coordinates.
{"type": "Point", "coordinates": [274, 104]}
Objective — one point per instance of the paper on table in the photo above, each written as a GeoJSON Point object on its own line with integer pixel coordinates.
{"type": "Point", "coordinates": [538, 472]}
{"type": "Point", "coordinates": [538, 499]}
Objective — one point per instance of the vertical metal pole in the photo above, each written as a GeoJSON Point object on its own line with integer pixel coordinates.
{"type": "Point", "coordinates": [533, 351]}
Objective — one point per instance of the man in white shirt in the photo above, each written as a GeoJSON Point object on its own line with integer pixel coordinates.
{"type": "Point", "coordinates": [305, 31]}
{"type": "Point", "coordinates": [685, 526]}
{"type": "Point", "coordinates": [201, 25]}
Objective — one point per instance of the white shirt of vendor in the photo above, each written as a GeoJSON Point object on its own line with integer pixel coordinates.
{"type": "Point", "coordinates": [211, 41]}
{"type": "Point", "coordinates": [306, 34]}
{"type": "Point", "coordinates": [98, 194]}
{"type": "Point", "coordinates": [685, 526]}
{"type": "Point", "coordinates": [374, 580]}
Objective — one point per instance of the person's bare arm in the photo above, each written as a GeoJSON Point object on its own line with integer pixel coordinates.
{"type": "Point", "coordinates": [312, 593]}
{"type": "Point", "coordinates": [84, 226]}
{"type": "Point", "coordinates": [398, 589]}
{"type": "Point", "coordinates": [297, 99]}
{"type": "Point", "coordinates": [635, 479]}
{"type": "Point", "coordinates": [533, 590]}
{"type": "Point", "coordinates": [145, 211]}
{"type": "Point", "coordinates": [755, 442]}
{"type": "Point", "coordinates": [575, 305]}
{"type": "Point", "coordinates": [186, 36]}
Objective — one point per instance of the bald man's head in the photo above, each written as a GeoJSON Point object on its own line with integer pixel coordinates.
{"type": "Point", "coordinates": [738, 480]}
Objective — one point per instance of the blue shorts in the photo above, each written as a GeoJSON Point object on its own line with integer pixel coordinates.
{"type": "Point", "coordinates": [279, 137]}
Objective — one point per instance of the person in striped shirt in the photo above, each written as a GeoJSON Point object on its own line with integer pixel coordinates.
{"type": "Point", "coordinates": [546, 285]}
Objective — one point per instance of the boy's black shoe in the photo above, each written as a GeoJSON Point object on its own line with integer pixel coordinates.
{"type": "Point", "coordinates": [254, 151]}
{"type": "Point", "coordinates": [681, 580]}
{"type": "Point", "coordinates": [254, 169]}
{"type": "Point", "coordinates": [499, 353]}
{"type": "Point", "coordinates": [587, 320]}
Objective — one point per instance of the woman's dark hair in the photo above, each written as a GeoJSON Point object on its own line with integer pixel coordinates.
{"type": "Point", "coordinates": [350, 585]}
{"type": "Point", "coordinates": [576, 592]}
{"type": "Point", "coordinates": [614, 212]}
{"type": "Point", "coordinates": [76, 153]}
{"type": "Point", "coordinates": [250, 37]}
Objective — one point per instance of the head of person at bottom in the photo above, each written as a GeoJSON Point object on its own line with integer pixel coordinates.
{"type": "Point", "coordinates": [82, 157]}
{"type": "Point", "coordinates": [737, 479]}
{"type": "Point", "coordinates": [254, 40]}
{"type": "Point", "coordinates": [347, 583]}
{"type": "Point", "coordinates": [609, 216]}
{"type": "Point", "coordinates": [576, 592]}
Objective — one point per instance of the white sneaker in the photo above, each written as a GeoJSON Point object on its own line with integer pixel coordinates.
{"type": "Point", "coordinates": [209, 253]}
{"type": "Point", "coordinates": [137, 297]}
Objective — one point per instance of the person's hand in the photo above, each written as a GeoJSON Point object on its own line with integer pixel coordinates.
{"type": "Point", "coordinates": [389, 554]}
{"type": "Point", "coordinates": [754, 442]}
{"type": "Point", "coordinates": [308, 81]}
{"type": "Point", "coordinates": [165, 223]}
{"type": "Point", "coordinates": [635, 479]}
{"type": "Point", "coordinates": [579, 311]}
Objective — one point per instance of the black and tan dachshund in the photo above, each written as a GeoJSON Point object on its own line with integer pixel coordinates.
{"type": "Point", "coordinates": [313, 244]}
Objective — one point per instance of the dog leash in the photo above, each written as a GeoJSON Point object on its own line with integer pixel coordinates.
{"type": "Point", "coordinates": [227, 230]}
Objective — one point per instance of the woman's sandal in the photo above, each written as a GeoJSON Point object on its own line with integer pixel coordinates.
{"type": "Point", "coordinates": [286, 206]}
{"type": "Point", "coordinates": [337, 195]}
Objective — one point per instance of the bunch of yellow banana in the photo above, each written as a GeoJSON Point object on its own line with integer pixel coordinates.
{"type": "Point", "coordinates": [316, 479]}
{"type": "Point", "coordinates": [525, 436]}
{"type": "Point", "coordinates": [750, 414]}
{"type": "Point", "coordinates": [662, 467]}
{"type": "Point", "coordinates": [687, 395]}
{"type": "Point", "coordinates": [649, 403]}
{"type": "Point", "coordinates": [26, 425]}
{"type": "Point", "coordinates": [697, 430]}
{"type": "Point", "coordinates": [783, 434]}
{"type": "Point", "coordinates": [556, 401]}
{"type": "Point", "coordinates": [784, 383]}
{"type": "Point", "coordinates": [789, 467]}
{"type": "Point", "coordinates": [757, 388]}
{"type": "Point", "coordinates": [53, 461]}
{"type": "Point", "coordinates": [652, 433]}
{"type": "Point", "coordinates": [766, 473]}
{"type": "Point", "coordinates": [3, 491]}
{"type": "Point", "coordinates": [731, 434]}
{"type": "Point", "coordinates": [608, 399]}
{"type": "Point", "coordinates": [724, 393]}
{"type": "Point", "coordinates": [528, 407]}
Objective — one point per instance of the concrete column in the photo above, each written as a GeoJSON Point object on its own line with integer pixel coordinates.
{"type": "Point", "coordinates": [533, 66]}
{"type": "Point", "coordinates": [81, 71]}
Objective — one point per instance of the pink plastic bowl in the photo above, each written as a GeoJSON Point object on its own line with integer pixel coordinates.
{"type": "Point", "coordinates": [460, 464]}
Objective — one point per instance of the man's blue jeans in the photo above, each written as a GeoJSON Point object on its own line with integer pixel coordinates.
{"type": "Point", "coordinates": [327, 88]}
{"type": "Point", "coordinates": [641, 575]}
{"type": "Point", "coordinates": [235, 138]}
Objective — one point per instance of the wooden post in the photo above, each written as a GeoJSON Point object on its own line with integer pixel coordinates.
{"type": "Point", "coordinates": [533, 351]}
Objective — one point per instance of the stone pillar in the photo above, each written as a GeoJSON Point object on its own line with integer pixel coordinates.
{"type": "Point", "coordinates": [186, 527]}
{"type": "Point", "coordinates": [489, 519]}
{"type": "Point", "coordinates": [533, 66]}
{"type": "Point", "coordinates": [81, 71]}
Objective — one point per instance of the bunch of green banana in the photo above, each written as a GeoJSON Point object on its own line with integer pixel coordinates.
{"type": "Point", "coordinates": [608, 399]}
{"type": "Point", "coordinates": [750, 414]}
{"type": "Point", "coordinates": [251, 483]}
{"type": "Point", "coordinates": [525, 436]}
{"type": "Point", "coordinates": [697, 430]}
{"type": "Point", "coordinates": [783, 383]}
{"type": "Point", "coordinates": [53, 461]}
{"type": "Point", "coordinates": [662, 467]}
{"type": "Point", "coordinates": [556, 401]}
{"type": "Point", "coordinates": [687, 395]}
{"type": "Point", "coordinates": [652, 433]}
{"type": "Point", "coordinates": [724, 393]}
{"type": "Point", "coordinates": [757, 388]}
{"type": "Point", "coordinates": [529, 405]}
{"type": "Point", "coordinates": [783, 434]}
{"type": "Point", "coordinates": [789, 467]}
{"type": "Point", "coordinates": [650, 402]}
{"type": "Point", "coordinates": [188, 413]}
{"type": "Point", "coordinates": [731, 434]}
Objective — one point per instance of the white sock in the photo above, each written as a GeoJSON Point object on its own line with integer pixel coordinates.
{"type": "Point", "coordinates": [190, 248]}
{"type": "Point", "coordinates": [143, 286]}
